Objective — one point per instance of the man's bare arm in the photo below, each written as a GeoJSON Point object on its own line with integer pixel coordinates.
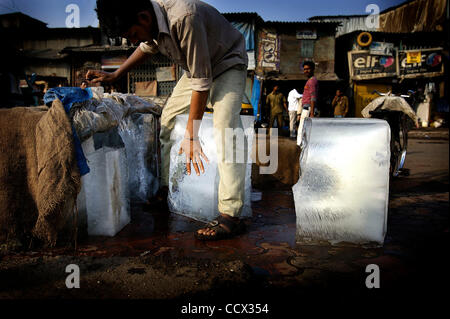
{"type": "Point", "coordinates": [135, 59]}
{"type": "Point", "coordinates": [190, 145]}
{"type": "Point", "coordinates": [198, 105]}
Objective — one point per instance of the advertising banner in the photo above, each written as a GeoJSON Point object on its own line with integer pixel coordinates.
{"type": "Point", "coordinates": [413, 57]}
{"type": "Point", "coordinates": [382, 48]}
{"type": "Point", "coordinates": [428, 62]}
{"type": "Point", "coordinates": [269, 51]}
{"type": "Point", "coordinates": [365, 66]}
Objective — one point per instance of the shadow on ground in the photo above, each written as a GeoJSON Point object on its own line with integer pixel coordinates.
{"type": "Point", "coordinates": [156, 258]}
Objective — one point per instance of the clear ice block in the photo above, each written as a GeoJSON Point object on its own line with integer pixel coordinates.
{"type": "Point", "coordinates": [104, 195]}
{"type": "Point", "coordinates": [343, 190]}
{"type": "Point", "coordinates": [139, 134]}
{"type": "Point", "coordinates": [197, 196]}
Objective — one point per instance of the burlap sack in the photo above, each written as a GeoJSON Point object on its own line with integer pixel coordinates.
{"type": "Point", "coordinates": [39, 177]}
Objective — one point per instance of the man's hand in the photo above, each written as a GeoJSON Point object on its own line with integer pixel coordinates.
{"type": "Point", "coordinates": [194, 153]}
{"type": "Point", "coordinates": [138, 57]}
{"type": "Point", "coordinates": [311, 108]}
{"type": "Point", "coordinates": [95, 76]}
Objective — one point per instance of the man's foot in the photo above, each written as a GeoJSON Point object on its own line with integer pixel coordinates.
{"type": "Point", "coordinates": [223, 227]}
{"type": "Point", "coordinates": [159, 201]}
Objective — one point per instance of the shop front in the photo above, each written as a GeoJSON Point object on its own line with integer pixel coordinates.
{"type": "Point", "coordinates": [418, 74]}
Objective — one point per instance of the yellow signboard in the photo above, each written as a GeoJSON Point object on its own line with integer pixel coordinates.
{"type": "Point", "coordinates": [413, 57]}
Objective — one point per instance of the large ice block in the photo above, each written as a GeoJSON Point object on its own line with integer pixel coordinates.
{"type": "Point", "coordinates": [197, 196]}
{"type": "Point", "coordinates": [104, 195]}
{"type": "Point", "coordinates": [139, 134]}
{"type": "Point", "coordinates": [343, 190]}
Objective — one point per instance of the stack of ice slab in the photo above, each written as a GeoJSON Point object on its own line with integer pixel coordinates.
{"type": "Point", "coordinates": [138, 127]}
{"type": "Point", "coordinates": [343, 189]}
{"type": "Point", "coordinates": [197, 196]}
{"type": "Point", "coordinates": [104, 196]}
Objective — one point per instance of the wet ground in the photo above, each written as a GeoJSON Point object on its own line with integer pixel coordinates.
{"type": "Point", "coordinates": [156, 256]}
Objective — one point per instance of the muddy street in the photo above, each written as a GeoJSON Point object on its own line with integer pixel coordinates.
{"type": "Point", "coordinates": [157, 258]}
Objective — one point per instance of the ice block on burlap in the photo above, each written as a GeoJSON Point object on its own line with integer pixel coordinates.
{"type": "Point", "coordinates": [197, 196]}
{"type": "Point", "coordinates": [104, 195]}
{"type": "Point", "coordinates": [343, 189]}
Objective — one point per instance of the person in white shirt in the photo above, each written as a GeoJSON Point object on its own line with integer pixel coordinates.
{"type": "Point", "coordinates": [294, 101]}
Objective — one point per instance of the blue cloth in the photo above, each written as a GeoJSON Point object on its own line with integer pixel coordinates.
{"type": "Point", "coordinates": [248, 31]}
{"type": "Point", "coordinates": [68, 96]}
{"type": "Point", "coordinates": [256, 90]}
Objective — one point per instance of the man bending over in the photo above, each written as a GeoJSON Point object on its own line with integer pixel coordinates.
{"type": "Point", "coordinates": [212, 52]}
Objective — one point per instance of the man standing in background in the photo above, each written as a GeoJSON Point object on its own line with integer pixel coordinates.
{"type": "Point", "coordinates": [277, 102]}
{"type": "Point", "coordinates": [309, 96]}
{"type": "Point", "coordinates": [294, 101]}
{"type": "Point", "coordinates": [340, 104]}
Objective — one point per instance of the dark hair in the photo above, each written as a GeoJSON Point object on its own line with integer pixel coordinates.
{"type": "Point", "coordinates": [310, 64]}
{"type": "Point", "coordinates": [117, 16]}
{"type": "Point", "coordinates": [84, 81]}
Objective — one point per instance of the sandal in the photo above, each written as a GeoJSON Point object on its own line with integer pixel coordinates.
{"type": "Point", "coordinates": [223, 227]}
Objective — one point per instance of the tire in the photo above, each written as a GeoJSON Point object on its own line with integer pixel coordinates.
{"type": "Point", "coordinates": [360, 42]}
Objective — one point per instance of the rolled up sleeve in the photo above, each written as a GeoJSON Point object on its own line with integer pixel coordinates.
{"type": "Point", "coordinates": [148, 48]}
{"type": "Point", "coordinates": [194, 45]}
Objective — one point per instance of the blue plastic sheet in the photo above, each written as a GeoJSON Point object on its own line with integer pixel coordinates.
{"type": "Point", "coordinates": [256, 90]}
{"type": "Point", "coordinates": [248, 30]}
{"type": "Point", "coordinates": [68, 96]}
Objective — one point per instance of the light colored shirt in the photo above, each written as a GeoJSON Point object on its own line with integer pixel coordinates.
{"type": "Point", "coordinates": [293, 100]}
{"type": "Point", "coordinates": [310, 91]}
{"type": "Point", "coordinates": [198, 38]}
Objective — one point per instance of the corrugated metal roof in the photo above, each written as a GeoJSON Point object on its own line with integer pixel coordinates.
{"type": "Point", "coordinates": [240, 14]}
{"type": "Point", "coordinates": [347, 24]}
{"type": "Point", "coordinates": [404, 34]}
{"type": "Point", "coordinates": [46, 54]}
{"type": "Point", "coordinates": [72, 31]}
{"type": "Point", "coordinates": [337, 17]}
{"type": "Point", "coordinates": [237, 16]}
{"type": "Point", "coordinates": [359, 15]}
{"type": "Point", "coordinates": [309, 23]}
{"type": "Point", "coordinates": [99, 48]}
{"type": "Point", "coordinates": [25, 16]}
{"type": "Point", "coordinates": [243, 16]}
{"type": "Point", "coordinates": [397, 6]}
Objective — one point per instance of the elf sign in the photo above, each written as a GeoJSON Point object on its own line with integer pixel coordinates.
{"type": "Point", "coordinates": [428, 63]}
{"type": "Point", "coordinates": [364, 65]}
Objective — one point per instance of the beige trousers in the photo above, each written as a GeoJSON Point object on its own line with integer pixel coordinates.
{"type": "Point", "coordinates": [305, 114]}
{"type": "Point", "coordinates": [225, 97]}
